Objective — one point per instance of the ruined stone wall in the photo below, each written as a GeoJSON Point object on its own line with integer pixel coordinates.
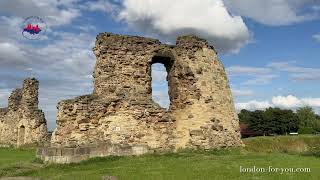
{"type": "Point", "coordinates": [22, 122]}
{"type": "Point", "coordinates": [3, 112]}
{"type": "Point", "coordinates": [64, 155]}
{"type": "Point", "coordinates": [14, 99]}
{"type": "Point", "coordinates": [121, 110]}
{"type": "Point", "coordinates": [206, 116]}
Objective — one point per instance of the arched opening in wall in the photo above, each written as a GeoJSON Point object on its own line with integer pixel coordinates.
{"type": "Point", "coordinates": [21, 135]}
{"type": "Point", "coordinates": [160, 69]}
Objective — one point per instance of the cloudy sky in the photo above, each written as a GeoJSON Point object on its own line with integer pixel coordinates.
{"type": "Point", "coordinates": [270, 48]}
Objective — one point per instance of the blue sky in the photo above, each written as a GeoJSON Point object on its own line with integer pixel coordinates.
{"type": "Point", "coordinates": [270, 49]}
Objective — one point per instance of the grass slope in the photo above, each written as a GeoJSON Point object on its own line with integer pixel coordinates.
{"type": "Point", "coordinates": [284, 144]}
{"type": "Point", "coordinates": [215, 164]}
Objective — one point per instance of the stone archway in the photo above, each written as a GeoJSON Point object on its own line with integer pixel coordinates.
{"type": "Point", "coordinates": [21, 135]}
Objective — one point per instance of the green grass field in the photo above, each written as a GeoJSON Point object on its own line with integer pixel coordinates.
{"type": "Point", "coordinates": [278, 152]}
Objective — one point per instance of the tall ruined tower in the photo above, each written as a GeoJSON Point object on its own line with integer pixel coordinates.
{"type": "Point", "coordinates": [30, 94]}
{"type": "Point", "coordinates": [121, 110]}
{"type": "Point", "coordinates": [22, 122]}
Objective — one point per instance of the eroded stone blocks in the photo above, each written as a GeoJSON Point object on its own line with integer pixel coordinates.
{"type": "Point", "coordinates": [121, 111]}
{"type": "Point", "coordinates": [22, 122]}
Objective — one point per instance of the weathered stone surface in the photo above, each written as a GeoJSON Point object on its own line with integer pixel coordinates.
{"type": "Point", "coordinates": [121, 110]}
{"type": "Point", "coordinates": [22, 122]}
{"type": "Point", "coordinates": [64, 155]}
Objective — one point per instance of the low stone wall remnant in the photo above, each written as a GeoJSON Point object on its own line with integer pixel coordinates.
{"type": "Point", "coordinates": [65, 155]}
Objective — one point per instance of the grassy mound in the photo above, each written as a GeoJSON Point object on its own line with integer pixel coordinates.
{"type": "Point", "coordinates": [303, 144]}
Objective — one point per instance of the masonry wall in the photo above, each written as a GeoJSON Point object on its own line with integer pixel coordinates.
{"type": "Point", "coordinates": [22, 122]}
{"type": "Point", "coordinates": [64, 155]}
{"type": "Point", "coordinates": [121, 110]}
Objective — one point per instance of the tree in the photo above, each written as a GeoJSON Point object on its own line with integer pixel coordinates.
{"type": "Point", "coordinates": [309, 121]}
{"type": "Point", "coordinates": [244, 116]}
{"type": "Point", "coordinates": [307, 117]}
{"type": "Point", "coordinates": [289, 122]}
{"type": "Point", "coordinates": [281, 121]}
{"type": "Point", "coordinates": [317, 123]}
{"type": "Point", "coordinates": [270, 121]}
{"type": "Point", "coordinates": [258, 123]}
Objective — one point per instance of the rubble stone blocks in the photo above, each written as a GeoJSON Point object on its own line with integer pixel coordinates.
{"type": "Point", "coordinates": [120, 111]}
{"type": "Point", "coordinates": [22, 122]}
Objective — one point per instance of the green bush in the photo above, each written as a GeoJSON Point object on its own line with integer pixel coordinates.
{"type": "Point", "coordinates": [306, 130]}
{"type": "Point", "coordinates": [313, 151]}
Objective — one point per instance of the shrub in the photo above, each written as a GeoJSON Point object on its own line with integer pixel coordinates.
{"type": "Point", "coordinates": [306, 130]}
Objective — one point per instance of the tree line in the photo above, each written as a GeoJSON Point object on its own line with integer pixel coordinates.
{"type": "Point", "coordinates": [281, 121]}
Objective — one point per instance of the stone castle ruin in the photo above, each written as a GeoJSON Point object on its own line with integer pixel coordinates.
{"type": "Point", "coordinates": [22, 122]}
{"type": "Point", "coordinates": [120, 117]}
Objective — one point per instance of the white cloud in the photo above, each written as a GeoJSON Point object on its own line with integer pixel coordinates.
{"type": "Point", "coordinates": [296, 73]}
{"type": "Point", "coordinates": [239, 93]}
{"type": "Point", "coordinates": [259, 75]}
{"type": "Point", "coordinates": [265, 75]}
{"type": "Point", "coordinates": [236, 70]}
{"type": "Point", "coordinates": [261, 79]}
{"type": "Point", "coordinates": [316, 7]}
{"type": "Point", "coordinates": [159, 73]}
{"type": "Point", "coordinates": [62, 17]}
{"type": "Point", "coordinates": [291, 101]}
{"type": "Point", "coordinates": [10, 29]}
{"type": "Point", "coordinates": [63, 67]}
{"type": "Point", "coordinates": [101, 5]}
{"type": "Point", "coordinates": [167, 19]}
{"type": "Point", "coordinates": [253, 105]}
{"type": "Point", "coordinates": [282, 65]}
{"type": "Point", "coordinates": [290, 67]}
{"type": "Point", "coordinates": [55, 13]}
{"type": "Point", "coordinates": [87, 28]}
{"type": "Point", "coordinates": [288, 102]}
{"type": "Point", "coordinates": [313, 102]}
{"type": "Point", "coordinates": [12, 55]}
{"type": "Point", "coordinates": [161, 97]}
{"type": "Point", "coordinates": [275, 12]}
{"type": "Point", "coordinates": [316, 37]}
